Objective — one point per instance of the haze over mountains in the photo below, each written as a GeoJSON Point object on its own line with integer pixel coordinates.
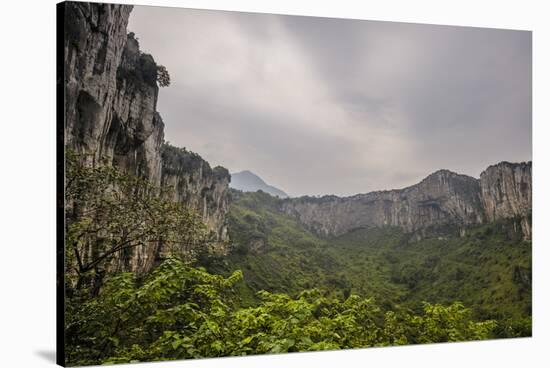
{"type": "Point", "coordinates": [247, 181]}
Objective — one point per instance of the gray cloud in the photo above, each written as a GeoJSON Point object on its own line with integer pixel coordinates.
{"type": "Point", "coordinates": [318, 105]}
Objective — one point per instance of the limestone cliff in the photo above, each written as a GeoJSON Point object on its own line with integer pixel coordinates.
{"type": "Point", "coordinates": [506, 192]}
{"type": "Point", "coordinates": [110, 91]}
{"type": "Point", "coordinates": [198, 185]}
{"type": "Point", "coordinates": [442, 199]}
{"type": "Point", "coordinates": [111, 118]}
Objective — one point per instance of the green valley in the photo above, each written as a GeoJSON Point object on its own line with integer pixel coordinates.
{"type": "Point", "coordinates": [488, 268]}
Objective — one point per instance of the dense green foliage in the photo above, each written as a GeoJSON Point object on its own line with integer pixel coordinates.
{"type": "Point", "coordinates": [180, 161]}
{"type": "Point", "coordinates": [181, 312]}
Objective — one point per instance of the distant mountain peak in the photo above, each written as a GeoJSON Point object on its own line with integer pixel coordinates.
{"type": "Point", "coordinates": [247, 181]}
{"type": "Point", "coordinates": [248, 173]}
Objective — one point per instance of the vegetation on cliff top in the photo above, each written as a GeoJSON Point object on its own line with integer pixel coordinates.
{"type": "Point", "coordinates": [179, 161]}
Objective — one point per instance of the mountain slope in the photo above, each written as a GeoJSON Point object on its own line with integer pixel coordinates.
{"type": "Point", "coordinates": [247, 181]}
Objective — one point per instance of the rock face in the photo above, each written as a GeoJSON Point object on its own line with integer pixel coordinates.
{"type": "Point", "coordinates": [506, 192]}
{"type": "Point", "coordinates": [198, 185]}
{"type": "Point", "coordinates": [110, 91]}
{"type": "Point", "coordinates": [443, 198]}
{"type": "Point", "coordinates": [111, 118]}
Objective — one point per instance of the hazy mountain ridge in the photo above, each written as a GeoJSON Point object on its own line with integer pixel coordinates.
{"type": "Point", "coordinates": [247, 181]}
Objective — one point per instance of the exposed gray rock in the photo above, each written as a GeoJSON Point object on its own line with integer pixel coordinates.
{"type": "Point", "coordinates": [196, 184]}
{"type": "Point", "coordinates": [111, 118]}
{"type": "Point", "coordinates": [506, 192]}
{"type": "Point", "coordinates": [95, 36]}
{"type": "Point", "coordinates": [110, 91]}
{"type": "Point", "coordinates": [443, 198]}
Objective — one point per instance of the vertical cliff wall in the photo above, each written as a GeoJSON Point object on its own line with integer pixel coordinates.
{"type": "Point", "coordinates": [196, 183]}
{"type": "Point", "coordinates": [111, 115]}
{"type": "Point", "coordinates": [110, 91]}
{"type": "Point", "coordinates": [506, 191]}
{"type": "Point", "coordinates": [443, 198]}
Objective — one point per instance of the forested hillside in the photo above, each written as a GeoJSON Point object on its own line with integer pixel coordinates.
{"type": "Point", "coordinates": [488, 268]}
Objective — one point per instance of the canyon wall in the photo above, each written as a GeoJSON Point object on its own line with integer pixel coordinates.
{"type": "Point", "coordinates": [443, 198]}
{"type": "Point", "coordinates": [194, 182]}
{"type": "Point", "coordinates": [111, 116]}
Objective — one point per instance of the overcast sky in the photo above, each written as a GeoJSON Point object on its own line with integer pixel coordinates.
{"type": "Point", "coordinates": [332, 106]}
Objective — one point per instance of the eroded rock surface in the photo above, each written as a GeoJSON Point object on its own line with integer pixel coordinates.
{"type": "Point", "coordinates": [506, 192]}
{"type": "Point", "coordinates": [443, 198]}
{"type": "Point", "coordinates": [199, 185]}
{"type": "Point", "coordinates": [111, 115]}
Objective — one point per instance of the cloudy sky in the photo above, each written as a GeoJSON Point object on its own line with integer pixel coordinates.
{"type": "Point", "coordinates": [332, 106]}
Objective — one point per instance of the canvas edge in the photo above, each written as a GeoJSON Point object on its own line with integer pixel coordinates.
{"type": "Point", "coordinates": [60, 177]}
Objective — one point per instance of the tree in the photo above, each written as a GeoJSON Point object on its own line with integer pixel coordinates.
{"type": "Point", "coordinates": [452, 323]}
{"type": "Point", "coordinates": [165, 314]}
{"type": "Point", "coordinates": [163, 77]}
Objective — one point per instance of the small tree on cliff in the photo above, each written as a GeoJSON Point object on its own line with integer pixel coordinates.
{"type": "Point", "coordinates": [163, 77]}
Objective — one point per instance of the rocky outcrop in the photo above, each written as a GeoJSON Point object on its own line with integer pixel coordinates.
{"type": "Point", "coordinates": [506, 192]}
{"type": "Point", "coordinates": [442, 199]}
{"type": "Point", "coordinates": [111, 92]}
{"type": "Point", "coordinates": [136, 131]}
{"type": "Point", "coordinates": [195, 183]}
